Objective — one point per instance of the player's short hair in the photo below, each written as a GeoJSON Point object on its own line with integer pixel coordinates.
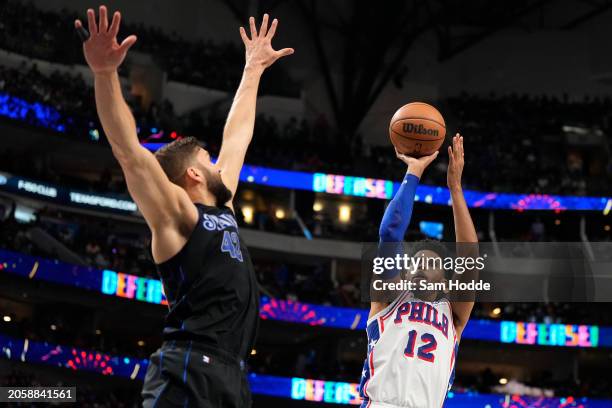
{"type": "Point", "coordinates": [433, 246]}
{"type": "Point", "coordinates": [175, 157]}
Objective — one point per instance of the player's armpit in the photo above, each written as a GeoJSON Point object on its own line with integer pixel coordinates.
{"type": "Point", "coordinates": [376, 307]}
{"type": "Point", "coordinates": [461, 315]}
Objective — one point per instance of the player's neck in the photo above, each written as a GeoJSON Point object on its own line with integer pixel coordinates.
{"type": "Point", "coordinates": [201, 196]}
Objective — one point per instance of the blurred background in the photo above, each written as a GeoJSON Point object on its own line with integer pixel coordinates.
{"type": "Point", "coordinates": [528, 83]}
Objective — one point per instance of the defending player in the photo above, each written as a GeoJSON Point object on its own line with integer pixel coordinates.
{"type": "Point", "coordinates": [186, 201]}
{"type": "Point", "coordinates": [413, 341]}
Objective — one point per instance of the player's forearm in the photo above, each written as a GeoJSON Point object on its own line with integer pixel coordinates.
{"type": "Point", "coordinates": [464, 226]}
{"type": "Point", "coordinates": [115, 115]}
{"type": "Point", "coordinates": [399, 211]}
{"type": "Point", "coordinates": [241, 118]}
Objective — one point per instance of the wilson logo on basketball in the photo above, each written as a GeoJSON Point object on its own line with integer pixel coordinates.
{"type": "Point", "coordinates": [419, 130]}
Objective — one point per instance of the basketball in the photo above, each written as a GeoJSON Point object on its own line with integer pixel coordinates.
{"type": "Point", "coordinates": [417, 129]}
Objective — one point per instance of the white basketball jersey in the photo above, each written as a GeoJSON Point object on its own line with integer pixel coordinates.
{"type": "Point", "coordinates": [412, 347]}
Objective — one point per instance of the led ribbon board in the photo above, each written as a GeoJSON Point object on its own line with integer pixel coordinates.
{"type": "Point", "coordinates": [386, 189]}
{"type": "Point", "coordinates": [321, 183]}
{"type": "Point", "coordinates": [48, 117]}
{"type": "Point", "coordinates": [133, 287]}
{"type": "Point", "coordinates": [549, 334]}
{"type": "Point", "coordinates": [51, 192]}
{"type": "Point", "coordinates": [150, 290]}
{"type": "Point", "coordinates": [304, 389]}
{"type": "Point", "coordinates": [73, 358]}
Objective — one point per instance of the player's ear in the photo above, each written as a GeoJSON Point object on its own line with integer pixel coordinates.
{"type": "Point", "coordinates": [446, 289]}
{"type": "Point", "coordinates": [193, 173]}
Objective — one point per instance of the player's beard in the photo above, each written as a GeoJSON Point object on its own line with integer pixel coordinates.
{"type": "Point", "coordinates": [215, 186]}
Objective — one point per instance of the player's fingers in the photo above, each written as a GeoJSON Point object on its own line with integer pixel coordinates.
{"type": "Point", "coordinates": [284, 52]}
{"type": "Point", "coordinates": [264, 26]}
{"type": "Point", "coordinates": [127, 43]}
{"type": "Point", "coordinates": [91, 21]}
{"type": "Point", "coordinates": [253, 28]}
{"type": "Point", "coordinates": [103, 24]}
{"type": "Point", "coordinates": [81, 31]}
{"type": "Point", "coordinates": [244, 36]}
{"type": "Point", "coordinates": [272, 30]}
{"type": "Point", "coordinates": [456, 145]}
{"type": "Point", "coordinates": [451, 158]}
{"type": "Point", "coordinates": [432, 157]}
{"type": "Point", "coordinates": [402, 157]}
{"type": "Point", "coordinates": [114, 28]}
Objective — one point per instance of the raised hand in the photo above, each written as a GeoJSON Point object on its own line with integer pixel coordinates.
{"type": "Point", "coordinates": [416, 166]}
{"type": "Point", "coordinates": [102, 51]}
{"type": "Point", "coordinates": [455, 163]}
{"type": "Point", "coordinates": [259, 51]}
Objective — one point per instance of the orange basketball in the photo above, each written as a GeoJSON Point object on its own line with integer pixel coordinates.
{"type": "Point", "coordinates": [417, 129]}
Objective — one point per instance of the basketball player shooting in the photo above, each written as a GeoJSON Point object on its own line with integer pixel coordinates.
{"type": "Point", "coordinates": [413, 341]}
{"type": "Point", "coordinates": [186, 201]}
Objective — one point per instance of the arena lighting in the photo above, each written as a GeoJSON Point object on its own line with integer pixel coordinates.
{"type": "Point", "coordinates": [7, 318]}
{"type": "Point", "coordinates": [503, 381]}
{"type": "Point", "coordinates": [317, 206]}
{"type": "Point", "coordinates": [608, 207]}
{"type": "Point", "coordinates": [496, 312]}
{"type": "Point", "coordinates": [344, 213]}
{"type": "Point", "coordinates": [247, 214]}
{"type": "Point", "coordinates": [279, 213]}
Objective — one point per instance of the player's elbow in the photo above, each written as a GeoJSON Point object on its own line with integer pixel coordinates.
{"type": "Point", "coordinates": [128, 157]}
{"type": "Point", "coordinates": [120, 156]}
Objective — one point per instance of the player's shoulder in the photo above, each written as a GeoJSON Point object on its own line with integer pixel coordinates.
{"type": "Point", "coordinates": [378, 309]}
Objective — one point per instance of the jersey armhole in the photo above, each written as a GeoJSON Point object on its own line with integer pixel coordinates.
{"type": "Point", "coordinates": [388, 308]}
{"type": "Point", "coordinates": [180, 251]}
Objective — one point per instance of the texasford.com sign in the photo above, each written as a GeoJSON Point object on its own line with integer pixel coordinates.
{"type": "Point", "coordinates": [66, 196]}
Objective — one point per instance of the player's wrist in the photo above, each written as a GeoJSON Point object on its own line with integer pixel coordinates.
{"type": "Point", "coordinates": [418, 173]}
{"type": "Point", "coordinates": [253, 69]}
{"type": "Point", "coordinates": [105, 73]}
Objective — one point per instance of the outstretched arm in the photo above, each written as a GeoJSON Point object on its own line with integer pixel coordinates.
{"type": "Point", "coordinates": [397, 216]}
{"type": "Point", "coordinates": [164, 205]}
{"type": "Point", "coordinates": [399, 211]}
{"type": "Point", "coordinates": [238, 130]}
{"type": "Point", "coordinates": [465, 232]}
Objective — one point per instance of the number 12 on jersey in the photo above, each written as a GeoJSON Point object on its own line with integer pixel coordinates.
{"type": "Point", "coordinates": [231, 244]}
{"type": "Point", "coordinates": [425, 350]}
